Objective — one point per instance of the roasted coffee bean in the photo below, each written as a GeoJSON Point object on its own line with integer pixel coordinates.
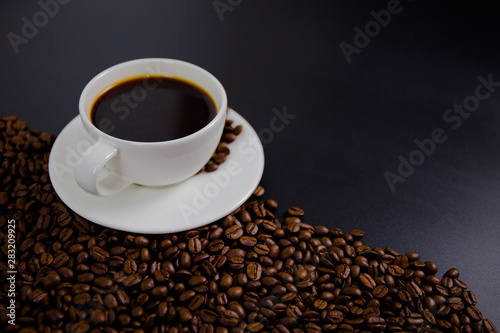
{"type": "Point", "coordinates": [488, 326]}
{"type": "Point", "coordinates": [254, 271]}
{"type": "Point", "coordinates": [110, 301]}
{"type": "Point", "coordinates": [248, 241]}
{"type": "Point", "coordinates": [132, 280]}
{"type": "Point", "coordinates": [234, 232]}
{"type": "Point", "coordinates": [43, 222]}
{"type": "Point", "coordinates": [367, 281]}
{"type": "Point", "coordinates": [194, 245]}
{"type": "Point", "coordinates": [235, 292]}
{"type": "Point", "coordinates": [82, 298]}
{"type": "Point", "coordinates": [86, 277]}
{"type": "Point", "coordinates": [159, 292]}
{"type": "Point", "coordinates": [236, 262]}
{"type": "Point", "coordinates": [130, 266]}
{"type": "Point", "coordinates": [99, 254]}
{"type": "Point", "coordinates": [99, 268]}
{"type": "Point", "coordinates": [80, 327]}
{"type": "Point", "coordinates": [351, 291]}
{"type": "Point", "coordinates": [51, 280]}
{"type": "Point", "coordinates": [184, 314]}
{"type": "Point", "coordinates": [196, 280]}
{"type": "Point", "coordinates": [474, 313]}
{"type": "Point", "coordinates": [343, 271]}
{"type": "Point", "coordinates": [46, 258]}
{"type": "Point", "coordinates": [228, 318]}
{"type": "Point", "coordinates": [122, 297]}
{"type": "Point", "coordinates": [60, 260]}
{"type": "Point", "coordinates": [295, 211]}
{"type": "Point", "coordinates": [135, 253]}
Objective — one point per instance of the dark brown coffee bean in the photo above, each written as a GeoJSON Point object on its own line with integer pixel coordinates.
{"type": "Point", "coordinates": [395, 270]}
{"type": "Point", "coordinates": [320, 304]}
{"type": "Point", "coordinates": [80, 288]}
{"type": "Point", "coordinates": [376, 323]}
{"type": "Point", "coordinates": [86, 277]}
{"type": "Point", "coordinates": [103, 282]}
{"type": "Point", "coordinates": [254, 271]}
{"type": "Point", "coordinates": [295, 211]}
{"type": "Point", "coordinates": [186, 295]}
{"type": "Point", "coordinates": [268, 225]}
{"type": "Point", "coordinates": [452, 273]}
{"type": "Point", "coordinates": [469, 297]}
{"type": "Point", "coordinates": [184, 315]}
{"type": "Point", "coordinates": [122, 297]}
{"type": "Point", "coordinates": [43, 222]}
{"type": "Point", "coordinates": [367, 281]}
{"type": "Point", "coordinates": [37, 295]}
{"type": "Point", "coordinates": [474, 313]}
{"type": "Point", "coordinates": [81, 299]}
{"type": "Point", "coordinates": [99, 254]}
{"type": "Point", "coordinates": [51, 280]}
{"type": "Point", "coordinates": [196, 280]}
{"type": "Point", "coordinates": [248, 241]}
{"type": "Point", "coordinates": [236, 262]}
{"type": "Point", "coordinates": [351, 291]}
{"type": "Point", "coordinates": [228, 318]}
{"type": "Point", "coordinates": [99, 268]}
{"type": "Point", "coordinates": [216, 245]}
{"type": "Point", "coordinates": [194, 245]}
{"type": "Point", "coordinates": [226, 281]}
{"type": "Point", "coordinates": [46, 259]}
{"type": "Point", "coordinates": [80, 327]}
{"type": "Point", "coordinates": [159, 292]}
{"type": "Point", "coordinates": [235, 292]}
{"type": "Point", "coordinates": [211, 166]}
{"type": "Point", "coordinates": [271, 204]}
{"type": "Point", "coordinates": [132, 280]}
{"type": "Point", "coordinates": [65, 234]}
{"type": "Point", "coordinates": [130, 266]}
{"type": "Point", "coordinates": [380, 291]}
{"type": "Point", "coordinates": [223, 147]}
{"type": "Point", "coordinates": [60, 259]}
{"type": "Point", "coordinates": [110, 301]}
{"type": "Point", "coordinates": [54, 315]}
{"type": "Point", "coordinates": [66, 273]}
{"type": "Point", "coordinates": [228, 137]}
{"type": "Point", "coordinates": [141, 241]}
{"type": "Point", "coordinates": [234, 232]}
{"type": "Point", "coordinates": [208, 268]}
{"type": "Point", "coordinates": [259, 210]}
{"type": "Point", "coordinates": [414, 290]}
{"type": "Point", "coordinates": [488, 326]}
{"type": "Point", "coordinates": [343, 271]}
{"type": "Point", "coordinates": [208, 316]}
{"type": "Point", "coordinates": [287, 252]}
{"type": "Point", "coordinates": [255, 327]}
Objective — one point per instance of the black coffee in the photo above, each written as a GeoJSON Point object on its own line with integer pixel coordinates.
{"type": "Point", "coordinates": [152, 108]}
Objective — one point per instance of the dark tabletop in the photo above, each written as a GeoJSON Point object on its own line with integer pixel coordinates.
{"type": "Point", "coordinates": [388, 110]}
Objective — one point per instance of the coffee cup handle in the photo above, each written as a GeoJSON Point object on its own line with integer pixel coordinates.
{"type": "Point", "coordinates": [93, 176]}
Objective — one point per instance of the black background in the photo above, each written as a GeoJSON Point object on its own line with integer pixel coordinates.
{"type": "Point", "coordinates": [351, 120]}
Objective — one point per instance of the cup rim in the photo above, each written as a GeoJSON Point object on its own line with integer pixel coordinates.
{"type": "Point", "coordinates": [221, 110]}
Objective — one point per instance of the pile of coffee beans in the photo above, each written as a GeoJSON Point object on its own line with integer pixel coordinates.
{"type": "Point", "coordinates": [252, 271]}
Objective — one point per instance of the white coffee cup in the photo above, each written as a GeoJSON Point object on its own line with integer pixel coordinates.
{"type": "Point", "coordinates": [111, 164]}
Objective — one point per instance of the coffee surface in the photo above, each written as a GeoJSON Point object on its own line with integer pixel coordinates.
{"type": "Point", "coordinates": [152, 109]}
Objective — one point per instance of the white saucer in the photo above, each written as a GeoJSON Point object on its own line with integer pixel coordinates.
{"type": "Point", "coordinates": [197, 201]}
